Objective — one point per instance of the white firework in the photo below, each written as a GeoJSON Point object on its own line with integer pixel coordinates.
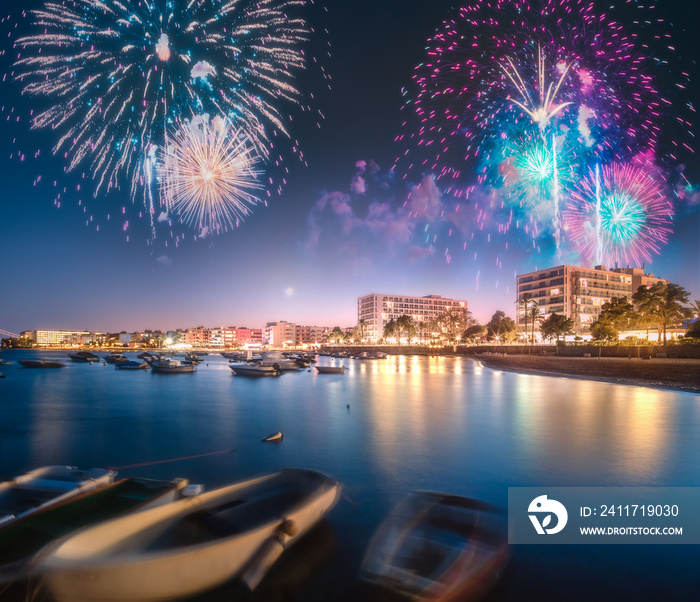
{"type": "Point", "coordinates": [208, 176]}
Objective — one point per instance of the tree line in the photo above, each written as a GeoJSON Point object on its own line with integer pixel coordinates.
{"type": "Point", "coordinates": [660, 306]}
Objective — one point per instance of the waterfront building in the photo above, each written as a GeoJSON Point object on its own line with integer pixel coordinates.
{"type": "Point", "coordinates": [576, 292]}
{"type": "Point", "coordinates": [279, 334]}
{"type": "Point", "coordinates": [312, 335]}
{"type": "Point", "coordinates": [197, 337]}
{"type": "Point", "coordinates": [248, 337]}
{"type": "Point", "coordinates": [375, 310]}
{"type": "Point", "coordinates": [58, 338]}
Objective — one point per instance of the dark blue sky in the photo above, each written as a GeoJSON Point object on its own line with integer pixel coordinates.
{"type": "Point", "coordinates": [338, 231]}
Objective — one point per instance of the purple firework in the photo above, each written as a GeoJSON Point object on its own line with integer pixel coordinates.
{"type": "Point", "coordinates": [506, 69]}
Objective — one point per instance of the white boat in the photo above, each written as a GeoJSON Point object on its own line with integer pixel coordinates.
{"type": "Point", "coordinates": [330, 369]}
{"type": "Point", "coordinates": [45, 486]}
{"type": "Point", "coordinates": [193, 545]}
{"type": "Point", "coordinates": [250, 369]}
{"type": "Point", "coordinates": [371, 355]}
{"type": "Point", "coordinates": [438, 547]}
{"type": "Point", "coordinates": [277, 360]}
{"type": "Point", "coordinates": [273, 437]}
{"type": "Point", "coordinates": [168, 366]}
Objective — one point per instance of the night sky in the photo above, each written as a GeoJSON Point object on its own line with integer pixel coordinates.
{"type": "Point", "coordinates": [339, 229]}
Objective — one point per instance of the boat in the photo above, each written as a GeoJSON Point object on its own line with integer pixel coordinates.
{"type": "Point", "coordinates": [436, 546]}
{"type": "Point", "coordinates": [132, 365]}
{"type": "Point", "coordinates": [252, 369]}
{"type": "Point", "coordinates": [168, 366]}
{"type": "Point", "coordinates": [115, 358]}
{"type": "Point", "coordinates": [273, 437]}
{"type": "Point", "coordinates": [330, 369]}
{"type": "Point", "coordinates": [83, 356]}
{"type": "Point", "coordinates": [371, 355]}
{"type": "Point", "coordinates": [45, 486]}
{"type": "Point", "coordinates": [4, 362]}
{"type": "Point", "coordinates": [23, 538]}
{"type": "Point", "coordinates": [191, 546]}
{"type": "Point", "coordinates": [40, 363]}
{"type": "Point", "coordinates": [278, 361]}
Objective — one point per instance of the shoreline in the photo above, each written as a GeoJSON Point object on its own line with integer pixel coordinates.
{"type": "Point", "coordinates": [665, 373]}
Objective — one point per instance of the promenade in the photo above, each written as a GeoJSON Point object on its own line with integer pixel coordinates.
{"type": "Point", "coordinates": [673, 373]}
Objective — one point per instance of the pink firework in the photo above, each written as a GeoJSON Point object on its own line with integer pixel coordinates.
{"type": "Point", "coordinates": [618, 215]}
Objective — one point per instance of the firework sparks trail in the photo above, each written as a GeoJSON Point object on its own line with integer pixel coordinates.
{"type": "Point", "coordinates": [619, 215]}
{"type": "Point", "coordinates": [119, 74]}
{"type": "Point", "coordinates": [208, 175]}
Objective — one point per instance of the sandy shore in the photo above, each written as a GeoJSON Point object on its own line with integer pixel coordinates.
{"type": "Point", "coordinates": [672, 373]}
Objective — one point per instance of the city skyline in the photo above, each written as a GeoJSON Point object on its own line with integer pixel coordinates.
{"type": "Point", "coordinates": [351, 223]}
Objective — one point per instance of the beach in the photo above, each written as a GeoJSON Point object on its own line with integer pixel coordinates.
{"type": "Point", "coordinates": [672, 373]}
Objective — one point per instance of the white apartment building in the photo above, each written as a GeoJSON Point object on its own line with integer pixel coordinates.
{"type": "Point", "coordinates": [375, 310]}
{"type": "Point", "coordinates": [577, 293]}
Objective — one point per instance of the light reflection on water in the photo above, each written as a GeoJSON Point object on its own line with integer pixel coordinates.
{"type": "Point", "coordinates": [384, 428]}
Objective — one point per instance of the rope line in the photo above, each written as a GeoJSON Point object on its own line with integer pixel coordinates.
{"type": "Point", "coordinates": [224, 451]}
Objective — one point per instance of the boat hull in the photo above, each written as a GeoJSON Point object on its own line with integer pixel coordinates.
{"type": "Point", "coordinates": [85, 566]}
{"type": "Point", "coordinates": [20, 540]}
{"type": "Point", "coordinates": [40, 364]}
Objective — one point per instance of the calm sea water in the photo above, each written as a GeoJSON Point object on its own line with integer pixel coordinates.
{"type": "Point", "coordinates": [383, 429]}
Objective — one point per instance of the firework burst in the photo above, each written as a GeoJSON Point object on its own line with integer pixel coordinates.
{"type": "Point", "coordinates": [505, 69]}
{"type": "Point", "coordinates": [618, 215]}
{"type": "Point", "coordinates": [208, 174]}
{"type": "Point", "coordinates": [119, 74]}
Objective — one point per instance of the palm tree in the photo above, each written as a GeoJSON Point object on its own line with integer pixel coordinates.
{"type": "Point", "coordinates": [421, 331]}
{"type": "Point", "coordinates": [362, 325]}
{"type": "Point", "coordinates": [525, 302]}
{"type": "Point", "coordinates": [663, 302]}
{"type": "Point", "coordinates": [695, 307]}
{"type": "Point", "coordinates": [535, 315]}
{"type": "Point", "coordinates": [390, 329]}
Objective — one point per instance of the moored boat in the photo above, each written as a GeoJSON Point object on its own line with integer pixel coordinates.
{"type": "Point", "coordinates": [435, 546]}
{"type": "Point", "coordinates": [278, 436]}
{"type": "Point", "coordinates": [251, 369]}
{"type": "Point", "coordinates": [21, 539]}
{"type": "Point", "coordinates": [278, 361]}
{"type": "Point", "coordinates": [168, 366]}
{"type": "Point", "coordinates": [42, 487]}
{"type": "Point", "coordinates": [40, 363]}
{"type": "Point", "coordinates": [191, 546]}
{"type": "Point", "coordinates": [132, 365]}
{"type": "Point", "coordinates": [330, 369]}
{"type": "Point", "coordinates": [83, 357]}
{"type": "Point", "coordinates": [115, 358]}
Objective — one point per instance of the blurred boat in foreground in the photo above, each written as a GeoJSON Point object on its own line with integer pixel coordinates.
{"type": "Point", "coordinates": [193, 545]}
{"type": "Point", "coordinates": [23, 538]}
{"type": "Point", "coordinates": [48, 485]}
{"type": "Point", "coordinates": [438, 547]}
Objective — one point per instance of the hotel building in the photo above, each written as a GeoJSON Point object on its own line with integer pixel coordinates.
{"type": "Point", "coordinates": [376, 310]}
{"type": "Point", "coordinates": [279, 334]}
{"type": "Point", "coordinates": [577, 293]}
